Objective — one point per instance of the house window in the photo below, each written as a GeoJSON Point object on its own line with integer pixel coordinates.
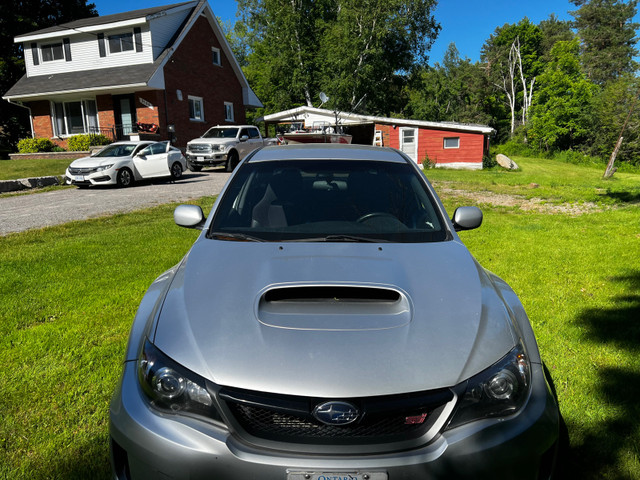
{"type": "Point", "coordinates": [228, 111]}
{"type": "Point", "coordinates": [196, 110]}
{"type": "Point", "coordinates": [215, 56]}
{"type": "Point", "coordinates": [121, 43]}
{"type": "Point", "coordinates": [71, 118]}
{"type": "Point", "coordinates": [452, 142]}
{"type": "Point", "coordinates": [52, 52]}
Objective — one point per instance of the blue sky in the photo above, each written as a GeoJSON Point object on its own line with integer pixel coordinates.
{"type": "Point", "coordinates": [467, 23]}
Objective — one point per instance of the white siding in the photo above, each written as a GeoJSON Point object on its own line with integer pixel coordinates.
{"type": "Point", "coordinates": [164, 28]}
{"type": "Point", "coordinates": [85, 54]}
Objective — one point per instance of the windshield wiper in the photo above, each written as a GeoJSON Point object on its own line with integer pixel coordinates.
{"type": "Point", "coordinates": [341, 238]}
{"type": "Point", "coordinates": [239, 237]}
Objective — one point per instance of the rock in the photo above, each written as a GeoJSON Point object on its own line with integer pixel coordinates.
{"type": "Point", "coordinates": [506, 162]}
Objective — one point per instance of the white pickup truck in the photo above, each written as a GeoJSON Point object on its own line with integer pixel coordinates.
{"type": "Point", "coordinates": [224, 145]}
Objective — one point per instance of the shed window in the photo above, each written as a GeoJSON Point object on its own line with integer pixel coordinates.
{"type": "Point", "coordinates": [52, 52]}
{"type": "Point", "coordinates": [452, 142]}
{"type": "Point", "coordinates": [121, 43]}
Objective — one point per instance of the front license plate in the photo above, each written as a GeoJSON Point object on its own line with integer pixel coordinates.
{"type": "Point", "coordinates": [337, 476]}
{"type": "Point", "coordinates": [200, 159]}
{"type": "Point", "coordinates": [79, 178]}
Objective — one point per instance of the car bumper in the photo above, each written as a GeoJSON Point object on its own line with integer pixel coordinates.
{"type": "Point", "coordinates": [206, 160]}
{"type": "Point", "coordinates": [105, 177]}
{"type": "Point", "coordinates": [146, 444]}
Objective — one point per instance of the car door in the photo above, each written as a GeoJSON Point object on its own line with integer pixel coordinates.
{"type": "Point", "coordinates": [243, 146]}
{"type": "Point", "coordinates": [152, 161]}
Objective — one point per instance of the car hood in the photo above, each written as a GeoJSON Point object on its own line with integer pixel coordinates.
{"type": "Point", "coordinates": [443, 322]}
{"type": "Point", "coordinates": [86, 162]}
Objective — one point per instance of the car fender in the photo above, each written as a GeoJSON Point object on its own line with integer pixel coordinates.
{"type": "Point", "coordinates": [147, 312]}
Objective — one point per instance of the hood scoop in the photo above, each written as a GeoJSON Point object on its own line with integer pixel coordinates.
{"type": "Point", "coordinates": [333, 307]}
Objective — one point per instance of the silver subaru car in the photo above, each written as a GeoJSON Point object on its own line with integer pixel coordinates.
{"type": "Point", "coordinates": [329, 324]}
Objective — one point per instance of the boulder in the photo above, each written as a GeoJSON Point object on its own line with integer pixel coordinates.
{"type": "Point", "coordinates": [506, 162]}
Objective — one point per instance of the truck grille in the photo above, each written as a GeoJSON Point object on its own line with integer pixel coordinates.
{"type": "Point", "coordinates": [290, 419]}
{"type": "Point", "coordinates": [200, 148]}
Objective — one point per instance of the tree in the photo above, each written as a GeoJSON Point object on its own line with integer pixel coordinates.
{"type": "Point", "coordinates": [553, 30]}
{"type": "Point", "coordinates": [350, 49]}
{"type": "Point", "coordinates": [561, 114]}
{"type": "Point", "coordinates": [455, 91]}
{"type": "Point", "coordinates": [608, 33]}
{"type": "Point", "coordinates": [512, 56]}
{"type": "Point", "coordinates": [18, 18]}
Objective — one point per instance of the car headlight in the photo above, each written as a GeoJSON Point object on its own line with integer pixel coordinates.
{"type": "Point", "coordinates": [171, 387]}
{"type": "Point", "coordinates": [500, 390]}
{"type": "Point", "coordinates": [102, 168]}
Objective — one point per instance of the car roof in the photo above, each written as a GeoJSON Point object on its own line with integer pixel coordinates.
{"type": "Point", "coordinates": [133, 142]}
{"type": "Point", "coordinates": [320, 151]}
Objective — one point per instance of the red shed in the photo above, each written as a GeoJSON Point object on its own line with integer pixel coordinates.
{"type": "Point", "coordinates": [452, 145]}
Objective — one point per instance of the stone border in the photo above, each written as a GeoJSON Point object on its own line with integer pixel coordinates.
{"type": "Point", "coordinates": [50, 155]}
{"type": "Point", "coordinates": [27, 183]}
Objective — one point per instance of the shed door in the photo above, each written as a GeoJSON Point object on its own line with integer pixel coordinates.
{"type": "Point", "coordinates": [409, 142]}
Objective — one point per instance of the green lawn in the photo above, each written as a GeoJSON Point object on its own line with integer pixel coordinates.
{"type": "Point", "coordinates": [69, 293]}
{"type": "Point", "coordinates": [32, 167]}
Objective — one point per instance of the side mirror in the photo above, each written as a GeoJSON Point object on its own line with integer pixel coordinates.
{"type": "Point", "coordinates": [244, 138]}
{"type": "Point", "coordinates": [466, 218]}
{"type": "Point", "coordinates": [189, 216]}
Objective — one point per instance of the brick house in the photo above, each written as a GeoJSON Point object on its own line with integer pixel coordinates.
{"type": "Point", "coordinates": [165, 72]}
{"type": "Point", "coordinates": [445, 144]}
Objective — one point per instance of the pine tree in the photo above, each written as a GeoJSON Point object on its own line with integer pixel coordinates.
{"type": "Point", "coordinates": [608, 33]}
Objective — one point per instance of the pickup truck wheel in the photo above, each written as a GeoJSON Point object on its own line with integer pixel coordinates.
{"type": "Point", "coordinates": [232, 161]}
{"type": "Point", "coordinates": [194, 168]}
{"type": "Point", "coordinates": [124, 178]}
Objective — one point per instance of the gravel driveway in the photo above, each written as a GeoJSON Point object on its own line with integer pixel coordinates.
{"type": "Point", "coordinates": [23, 212]}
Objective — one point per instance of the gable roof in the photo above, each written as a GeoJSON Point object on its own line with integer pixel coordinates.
{"type": "Point", "coordinates": [147, 76]}
{"type": "Point", "coordinates": [346, 118]}
{"type": "Point", "coordinates": [85, 24]}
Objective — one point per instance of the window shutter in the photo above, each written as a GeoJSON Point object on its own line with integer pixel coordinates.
{"type": "Point", "coordinates": [101, 45]}
{"type": "Point", "coordinates": [34, 53]}
{"type": "Point", "coordinates": [67, 49]}
{"type": "Point", "coordinates": [137, 33]}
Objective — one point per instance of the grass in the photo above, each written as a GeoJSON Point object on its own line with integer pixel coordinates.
{"type": "Point", "coordinates": [69, 293]}
{"type": "Point", "coordinates": [32, 167]}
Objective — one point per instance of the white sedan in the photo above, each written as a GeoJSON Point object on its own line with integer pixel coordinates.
{"type": "Point", "coordinates": [122, 163]}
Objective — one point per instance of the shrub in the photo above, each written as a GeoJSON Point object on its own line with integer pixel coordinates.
{"type": "Point", "coordinates": [488, 162]}
{"type": "Point", "coordinates": [81, 143]}
{"type": "Point", "coordinates": [35, 145]}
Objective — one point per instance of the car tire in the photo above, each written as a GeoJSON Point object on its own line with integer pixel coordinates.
{"type": "Point", "coordinates": [232, 161]}
{"type": "Point", "coordinates": [176, 170]}
{"type": "Point", "coordinates": [125, 178]}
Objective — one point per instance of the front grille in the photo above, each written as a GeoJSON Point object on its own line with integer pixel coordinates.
{"type": "Point", "coordinates": [200, 148]}
{"type": "Point", "coordinates": [82, 171]}
{"type": "Point", "coordinates": [381, 420]}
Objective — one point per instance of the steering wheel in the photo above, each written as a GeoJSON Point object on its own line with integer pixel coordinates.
{"type": "Point", "coordinates": [369, 216]}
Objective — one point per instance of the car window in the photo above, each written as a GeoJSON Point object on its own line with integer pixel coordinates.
{"type": "Point", "coordinates": [244, 132]}
{"type": "Point", "coordinates": [116, 150]}
{"type": "Point", "coordinates": [221, 133]}
{"type": "Point", "coordinates": [308, 199]}
{"type": "Point", "coordinates": [254, 133]}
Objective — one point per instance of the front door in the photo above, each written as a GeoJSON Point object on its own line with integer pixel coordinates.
{"type": "Point", "coordinates": [125, 114]}
{"type": "Point", "coordinates": [409, 142]}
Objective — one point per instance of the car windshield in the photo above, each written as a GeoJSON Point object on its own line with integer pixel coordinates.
{"type": "Point", "coordinates": [328, 200]}
{"type": "Point", "coordinates": [221, 133]}
{"type": "Point", "coordinates": [116, 151]}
